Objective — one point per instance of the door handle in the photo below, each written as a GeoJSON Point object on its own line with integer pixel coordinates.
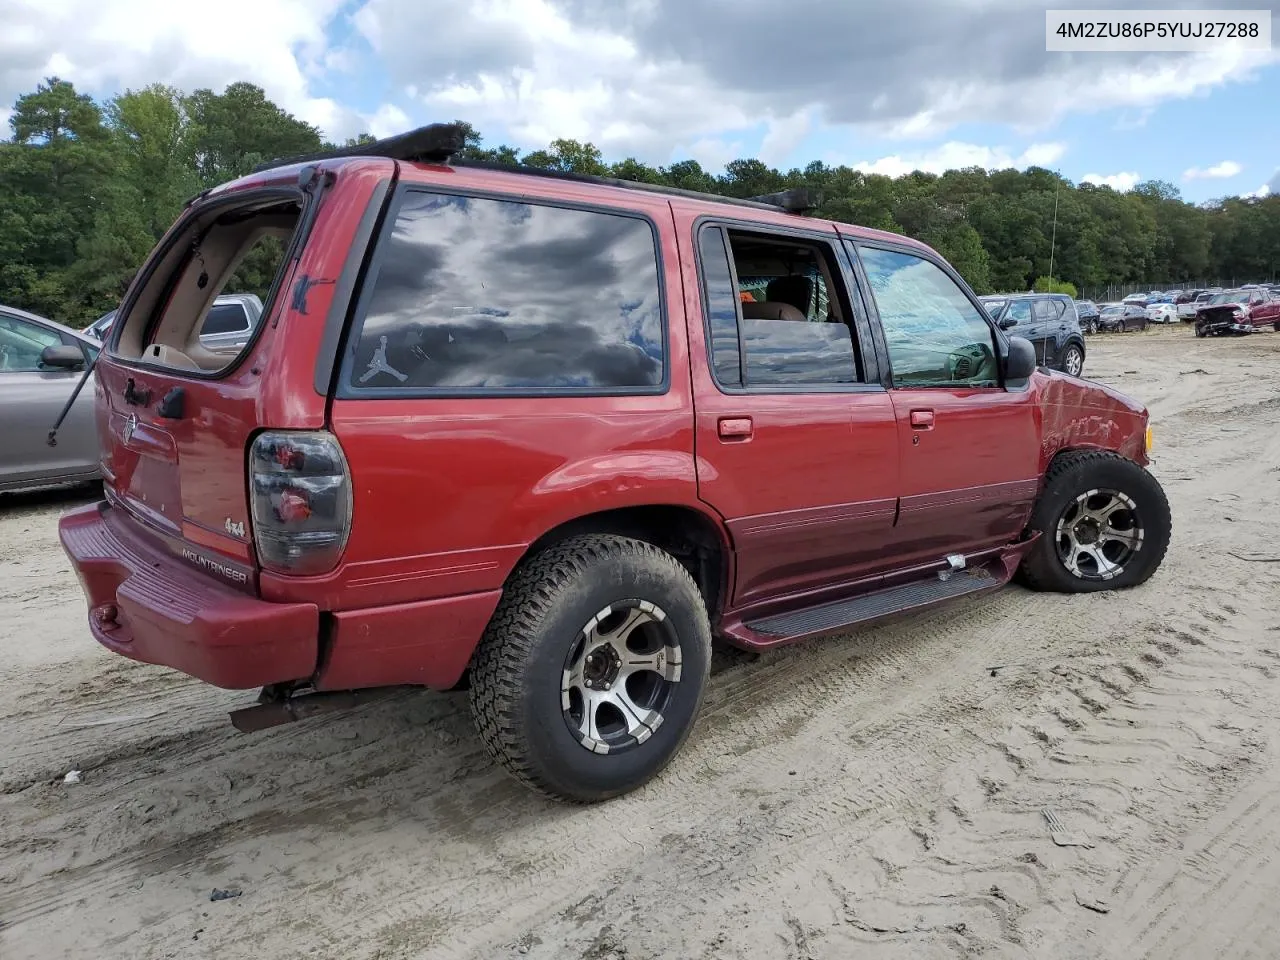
{"type": "Point", "coordinates": [921, 419]}
{"type": "Point", "coordinates": [735, 428]}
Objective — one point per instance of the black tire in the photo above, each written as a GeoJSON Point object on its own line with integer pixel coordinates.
{"type": "Point", "coordinates": [547, 608]}
{"type": "Point", "coordinates": [1276, 327]}
{"type": "Point", "coordinates": [1072, 356]}
{"type": "Point", "coordinates": [1200, 331]}
{"type": "Point", "coordinates": [1070, 478]}
{"type": "Point", "coordinates": [1122, 328]}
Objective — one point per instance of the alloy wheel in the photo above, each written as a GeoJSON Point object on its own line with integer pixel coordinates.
{"type": "Point", "coordinates": [1098, 534]}
{"type": "Point", "coordinates": [619, 676]}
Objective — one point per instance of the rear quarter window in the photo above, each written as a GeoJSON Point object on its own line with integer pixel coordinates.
{"type": "Point", "coordinates": [491, 296]}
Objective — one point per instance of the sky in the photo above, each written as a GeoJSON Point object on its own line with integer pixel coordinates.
{"type": "Point", "coordinates": [881, 85]}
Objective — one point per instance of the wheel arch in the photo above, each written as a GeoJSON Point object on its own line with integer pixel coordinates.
{"type": "Point", "coordinates": [695, 537]}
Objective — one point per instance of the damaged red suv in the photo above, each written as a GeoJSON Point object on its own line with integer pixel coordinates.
{"type": "Point", "coordinates": [548, 436]}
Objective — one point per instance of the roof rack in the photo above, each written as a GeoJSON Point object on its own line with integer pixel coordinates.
{"type": "Point", "coordinates": [797, 200]}
{"type": "Point", "coordinates": [434, 143]}
{"type": "Point", "coordinates": [438, 142]}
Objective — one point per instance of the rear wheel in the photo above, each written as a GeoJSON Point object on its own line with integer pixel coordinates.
{"type": "Point", "coordinates": [1276, 326]}
{"type": "Point", "coordinates": [1104, 524]}
{"type": "Point", "coordinates": [1122, 327]}
{"type": "Point", "coordinates": [592, 670]}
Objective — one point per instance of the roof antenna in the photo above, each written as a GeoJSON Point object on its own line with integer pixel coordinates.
{"type": "Point", "coordinates": [1054, 241]}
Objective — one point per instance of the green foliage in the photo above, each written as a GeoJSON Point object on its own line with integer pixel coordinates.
{"type": "Point", "coordinates": [89, 187]}
{"type": "Point", "coordinates": [1050, 285]}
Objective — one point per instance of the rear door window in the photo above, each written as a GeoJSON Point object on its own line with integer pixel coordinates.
{"type": "Point", "coordinates": [777, 313]}
{"type": "Point", "coordinates": [490, 296]}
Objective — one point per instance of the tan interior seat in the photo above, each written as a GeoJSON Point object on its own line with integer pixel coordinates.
{"type": "Point", "coordinates": [771, 310]}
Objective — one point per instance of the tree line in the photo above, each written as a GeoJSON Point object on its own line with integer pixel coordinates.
{"type": "Point", "coordinates": [86, 189]}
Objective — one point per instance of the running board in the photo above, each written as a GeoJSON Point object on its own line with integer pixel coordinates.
{"type": "Point", "coordinates": [842, 614]}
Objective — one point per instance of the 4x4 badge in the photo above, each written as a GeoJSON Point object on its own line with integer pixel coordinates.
{"type": "Point", "coordinates": [235, 529]}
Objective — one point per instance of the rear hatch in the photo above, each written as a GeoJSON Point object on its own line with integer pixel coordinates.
{"type": "Point", "coordinates": [179, 417]}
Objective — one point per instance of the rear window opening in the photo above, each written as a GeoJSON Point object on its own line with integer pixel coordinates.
{"type": "Point", "coordinates": [202, 306]}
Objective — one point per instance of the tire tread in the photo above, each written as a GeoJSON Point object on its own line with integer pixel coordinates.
{"type": "Point", "coordinates": [512, 633]}
{"type": "Point", "coordinates": [1035, 570]}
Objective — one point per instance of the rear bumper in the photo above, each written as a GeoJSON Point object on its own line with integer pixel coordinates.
{"type": "Point", "coordinates": [146, 605]}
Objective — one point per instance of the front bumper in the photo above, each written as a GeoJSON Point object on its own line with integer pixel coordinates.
{"type": "Point", "coordinates": [1218, 327]}
{"type": "Point", "coordinates": [146, 605]}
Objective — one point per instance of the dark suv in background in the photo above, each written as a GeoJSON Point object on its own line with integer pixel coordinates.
{"type": "Point", "coordinates": [1048, 320]}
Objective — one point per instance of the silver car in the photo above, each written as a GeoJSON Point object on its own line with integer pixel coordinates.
{"type": "Point", "coordinates": [228, 325]}
{"type": "Point", "coordinates": [40, 364]}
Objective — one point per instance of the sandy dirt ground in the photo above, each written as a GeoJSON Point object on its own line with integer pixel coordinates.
{"type": "Point", "coordinates": [902, 792]}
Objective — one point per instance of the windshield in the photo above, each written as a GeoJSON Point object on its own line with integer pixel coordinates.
{"type": "Point", "coordinates": [1232, 296]}
{"type": "Point", "coordinates": [994, 307]}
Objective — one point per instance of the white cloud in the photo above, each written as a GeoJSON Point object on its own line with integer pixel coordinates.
{"type": "Point", "coordinates": [1116, 181]}
{"type": "Point", "coordinates": [955, 155]}
{"type": "Point", "coordinates": [107, 47]}
{"type": "Point", "coordinates": [388, 119]}
{"type": "Point", "coordinates": [712, 154]}
{"type": "Point", "coordinates": [781, 138]}
{"type": "Point", "coordinates": [1219, 171]}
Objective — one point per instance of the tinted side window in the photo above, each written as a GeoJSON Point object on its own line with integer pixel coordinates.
{"type": "Point", "coordinates": [496, 295]}
{"type": "Point", "coordinates": [1042, 310]}
{"type": "Point", "coordinates": [935, 335]}
{"type": "Point", "coordinates": [225, 318]}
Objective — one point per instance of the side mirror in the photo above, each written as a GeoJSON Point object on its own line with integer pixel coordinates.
{"type": "Point", "coordinates": [1008, 322]}
{"type": "Point", "coordinates": [1021, 361]}
{"type": "Point", "coordinates": [63, 357]}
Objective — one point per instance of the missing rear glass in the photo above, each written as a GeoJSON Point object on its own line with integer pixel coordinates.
{"type": "Point", "coordinates": [202, 306]}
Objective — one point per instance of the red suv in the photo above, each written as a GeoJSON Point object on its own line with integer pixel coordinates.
{"type": "Point", "coordinates": [1238, 311]}
{"type": "Point", "coordinates": [548, 436]}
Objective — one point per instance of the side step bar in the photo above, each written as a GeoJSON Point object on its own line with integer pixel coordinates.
{"type": "Point", "coordinates": [841, 614]}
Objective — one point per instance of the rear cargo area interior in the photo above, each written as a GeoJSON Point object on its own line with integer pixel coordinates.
{"type": "Point", "coordinates": [241, 250]}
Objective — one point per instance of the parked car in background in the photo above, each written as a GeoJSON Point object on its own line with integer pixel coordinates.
{"type": "Point", "coordinates": [1162, 311]}
{"type": "Point", "coordinates": [1087, 313]}
{"type": "Point", "coordinates": [40, 363]}
{"type": "Point", "coordinates": [228, 326]}
{"type": "Point", "coordinates": [1122, 317]}
{"type": "Point", "coordinates": [1048, 320]}
{"type": "Point", "coordinates": [1238, 311]}
{"type": "Point", "coordinates": [554, 485]}
{"type": "Point", "coordinates": [1139, 298]}
{"type": "Point", "coordinates": [1188, 301]}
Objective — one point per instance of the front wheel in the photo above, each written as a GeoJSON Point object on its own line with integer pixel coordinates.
{"type": "Point", "coordinates": [1104, 524]}
{"type": "Point", "coordinates": [591, 672]}
{"type": "Point", "coordinates": [1123, 328]}
{"type": "Point", "coordinates": [1072, 360]}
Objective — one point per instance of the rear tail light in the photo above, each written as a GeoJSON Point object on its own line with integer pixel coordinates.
{"type": "Point", "coordinates": [300, 493]}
